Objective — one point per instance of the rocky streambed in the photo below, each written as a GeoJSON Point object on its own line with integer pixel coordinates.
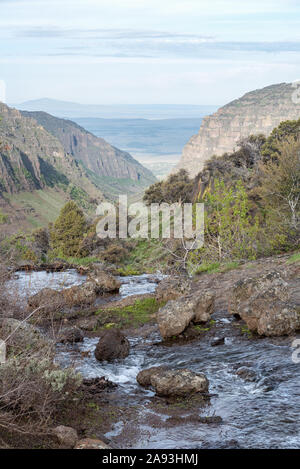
{"type": "Point", "coordinates": [253, 381]}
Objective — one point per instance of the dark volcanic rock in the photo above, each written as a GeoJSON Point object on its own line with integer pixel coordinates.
{"type": "Point", "coordinates": [112, 345]}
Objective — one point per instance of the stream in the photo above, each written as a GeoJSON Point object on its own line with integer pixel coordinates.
{"type": "Point", "coordinates": [261, 413]}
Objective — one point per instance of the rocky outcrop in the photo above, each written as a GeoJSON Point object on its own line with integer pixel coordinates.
{"type": "Point", "coordinates": [51, 301]}
{"type": "Point", "coordinates": [112, 345]}
{"type": "Point", "coordinates": [104, 282]}
{"type": "Point", "coordinates": [256, 112]}
{"type": "Point", "coordinates": [266, 305]}
{"type": "Point", "coordinates": [172, 288]}
{"type": "Point", "coordinates": [176, 315]}
{"type": "Point", "coordinates": [173, 383]}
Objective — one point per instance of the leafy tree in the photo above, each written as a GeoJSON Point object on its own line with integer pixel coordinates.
{"type": "Point", "coordinates": [280, 185]}
{"type": "Point", "coordinates": [177, 188]}
{"type": "Point", "coordinates": [231, 232]}
{"type": "Point", "coordinates": [286, 130]}
{"type": "Point", "coordinates": [68, 231]}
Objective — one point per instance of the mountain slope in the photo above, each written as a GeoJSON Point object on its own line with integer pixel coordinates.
{"type": "Point", "coordinates": [33, 161]}
{"type": "Point", "coordinates": [256, 112]}
{"type": "Point", "coordinates": [105, 161]}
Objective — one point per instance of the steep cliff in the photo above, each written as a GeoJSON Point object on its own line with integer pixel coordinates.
{"type": "Point", "coordinates": [95, 153]}
{"type": "Point", "coordinates": [256, 112]}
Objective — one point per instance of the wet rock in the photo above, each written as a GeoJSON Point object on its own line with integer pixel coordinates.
{"type": "Point", "coordinates": [247, 374]}
{"type": "Point", "coordinates": [80, 295]}
{"type": "Point", "coordinates": [67, 437]}
{"type": "Point", "coordinates": [71, 335]}
{"type": "Point", "coordinates": [209, 420]}
{"type": "Point", "coordinates": [144, 376]}
{"type": "Point", "coordinates": [172, 288]}
{"type": "Point", "coordinates": [95, 386]}
{"type": "Point", "coordinates": [176, 315]}
{"type": "Point", "coordinates": [179, 383]}
{"type": "Point", "coordinates": [112, 345]}
{"type": "Point", "coordinates": [50, 301]}
{"type": "Point", "coordinates": [265, 304]}
{"type": "Point", "coordinates": [90, 443]}
{"type": "Point", "coordinates": [47, 299]}
{"type": "Point", "coordinates": [104, 282]}
{"type": "Point", "coordinates": [217, 341]}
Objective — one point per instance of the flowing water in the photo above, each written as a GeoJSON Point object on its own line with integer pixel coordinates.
{"type": "Point", "coordinates": [262, 413]}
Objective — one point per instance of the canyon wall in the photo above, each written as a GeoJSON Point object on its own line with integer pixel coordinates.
{"type": "Point", "coordinates": [256, 112]}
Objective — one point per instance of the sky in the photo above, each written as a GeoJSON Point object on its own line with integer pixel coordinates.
{"type": "Point", "coordinates": [146, 51]}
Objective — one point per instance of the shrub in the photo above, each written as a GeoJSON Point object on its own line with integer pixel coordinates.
{"type": "Point", "coordinates": [32, 391]}
{"type": "Point", "coordinates": [68, 231]}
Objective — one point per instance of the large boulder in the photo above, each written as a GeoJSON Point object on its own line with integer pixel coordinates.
{"type": "Point", "coordinates": [176, 383]}
{"type": "Point", "coordinates": [144, 376]}
{"type": "Point", "coordinates": [48, 300]}
{"type": "Point", "coordinates": [104, 282]}
{"type": "Point", "coordinates": [265, 304]}
{"type": "Point", "coordinates": [112, 345]}
{"type": "Point", "coordinates": [67, 437]}
{"type": "Point", "coordinates": [80, 295]}
{"type": "Point", "coordinates": [176, 315]}
{"type": "Point", "coordinates": [172, 288]}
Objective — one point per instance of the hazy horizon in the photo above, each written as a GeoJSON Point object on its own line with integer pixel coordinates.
{"type": "Point", "coordinates": [142, 51]}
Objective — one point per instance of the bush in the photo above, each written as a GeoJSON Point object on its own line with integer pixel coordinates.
{"type": "Point", "coordinates": [32, 391]}
{"type": "Point", "coordinates": [68, 231]}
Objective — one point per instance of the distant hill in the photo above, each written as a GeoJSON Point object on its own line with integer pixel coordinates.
{"type": "Point", "coordinates": [256, 112]}
{"type": "Point", "coordinates": [113, 168]}
{"type": "Point", "coordinates": [71, 110]}
{"type": "Point", "coordinates": [40, 169]}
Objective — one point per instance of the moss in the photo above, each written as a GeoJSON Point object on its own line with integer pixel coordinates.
{"type": "Point", "coordinates": [135, 315]}
{"type": "Point", "coordinates": [294, 258]}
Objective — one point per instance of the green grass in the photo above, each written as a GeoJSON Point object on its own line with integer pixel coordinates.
{"type": "Point", "coordinates": [216, 267]}
{"type": "Point", "coordinates": [147, 255]}
{"type": "Point", "coordinates": [294, 258]}
{"type": "Point", "coordinates": [128, 270]}
{"type": "Point", "coordinates": [134, 315]}
{"type": "Point", "coordinates": [81, 261]}
{"type": "Point", "coordinates": [3, 218]}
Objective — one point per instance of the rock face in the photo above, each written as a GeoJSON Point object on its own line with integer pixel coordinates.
{"type": "Point", "coordinates": [265, 304]}
{"type": "Point", "coordinates": [256, 112]}
{"type": "Point", "coordinates": [176, 315]}
{"type": "Point", "coordinates": [95, 153]}
{"type": "Point", "coordinates": [112, 345]}
{"type": "Point", "coordinates": [173, 383]}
